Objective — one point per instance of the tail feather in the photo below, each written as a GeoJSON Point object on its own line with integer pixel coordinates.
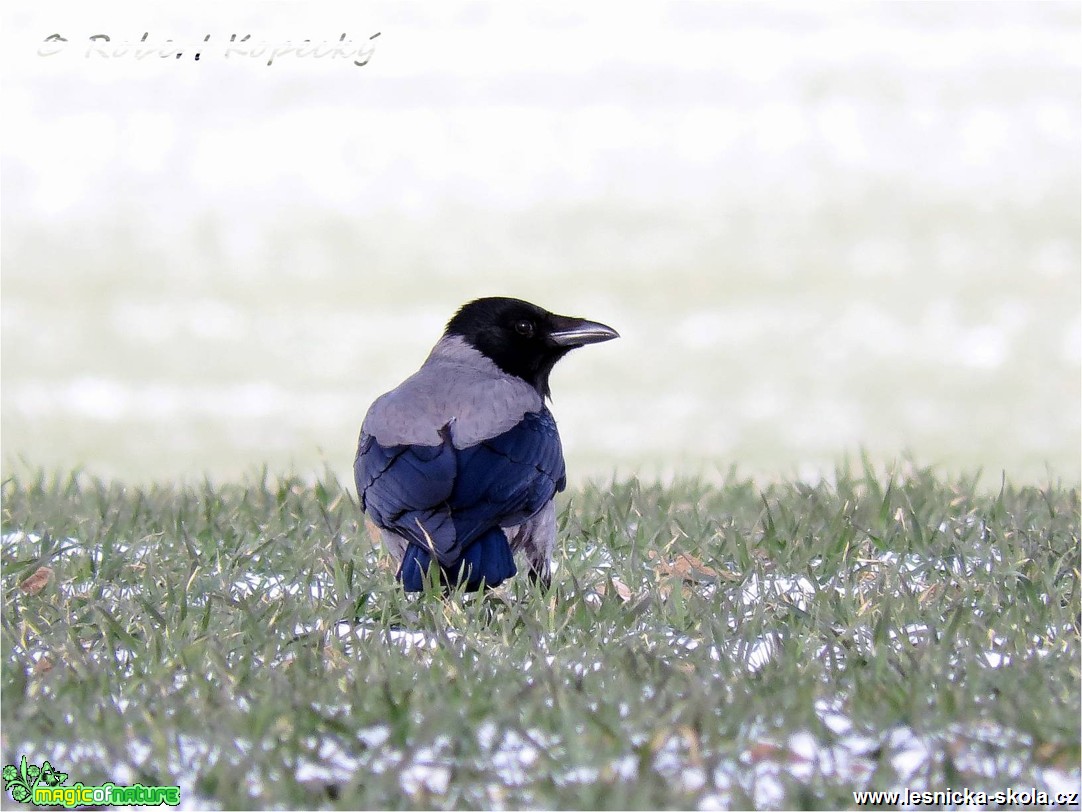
{"type": "Point", "coordinates": [414, 566]}
{"type": "Point", "coordinates": [488, 561]}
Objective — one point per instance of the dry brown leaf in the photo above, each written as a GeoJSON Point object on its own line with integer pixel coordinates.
{"type": "Point", "coordinates": [1055, 755]}
{"type": "Point", "coordinates": [768, 751]}
{"type": "Point", "coordinates": [37, 582]}
{"type": "Point", "coordinates": [691, 739]}
{"type": "Point", "coordinates": [622, 589]}
{"type": "Point", "coordinates": [931, 594]}
{"type": "Point", "coordinates": [686, 567]}
{"type": "Point", "coordinates": [372, 530]}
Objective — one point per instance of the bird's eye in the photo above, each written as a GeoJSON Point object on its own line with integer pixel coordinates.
{"type": "Point", "coordinates": [524, 327]}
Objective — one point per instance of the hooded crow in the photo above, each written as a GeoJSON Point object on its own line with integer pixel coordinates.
{"type": "Point", "coordinates": [460, 463]}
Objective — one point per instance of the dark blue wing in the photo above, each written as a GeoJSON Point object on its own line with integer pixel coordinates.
{"type": "Point", "coordinates": [405, 488]}
{"type": "Point", "coordinates": [448, 501]}
{"type": "Point", "coordinates": [506, 480]}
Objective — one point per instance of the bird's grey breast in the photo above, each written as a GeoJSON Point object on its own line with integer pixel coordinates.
{"type": "Point", "coordinates": [457, 385]}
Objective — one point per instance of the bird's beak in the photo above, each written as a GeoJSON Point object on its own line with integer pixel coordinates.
{"type": "Point", "coordinates": [572, 332]}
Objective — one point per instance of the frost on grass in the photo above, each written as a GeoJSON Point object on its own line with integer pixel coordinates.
{"type": "Point", "coordinates": [682, 656]}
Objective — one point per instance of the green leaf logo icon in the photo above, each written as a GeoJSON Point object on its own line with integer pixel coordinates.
{"type": "Point", "coordinates": [21, 780]}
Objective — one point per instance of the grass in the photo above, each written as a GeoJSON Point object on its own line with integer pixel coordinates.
{"type": "Point", "coordinates": [703, 646]}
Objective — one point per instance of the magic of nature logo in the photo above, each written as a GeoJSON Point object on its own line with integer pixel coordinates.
{"type": "Point", "coordinates": [44, 786]}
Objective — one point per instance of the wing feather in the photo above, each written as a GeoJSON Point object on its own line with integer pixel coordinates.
{"type": "Point", "coordinates": [452, 497]}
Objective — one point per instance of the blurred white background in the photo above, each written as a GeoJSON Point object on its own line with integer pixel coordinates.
{"type": "Point", "coordinates": [818, 228]}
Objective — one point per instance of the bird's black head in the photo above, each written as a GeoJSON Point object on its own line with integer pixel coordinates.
{"type": "Point", "coordinates": [523, 339]}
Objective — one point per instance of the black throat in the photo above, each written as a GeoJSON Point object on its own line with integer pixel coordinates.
{"type": "Point", "coordinates": [514, 335]}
